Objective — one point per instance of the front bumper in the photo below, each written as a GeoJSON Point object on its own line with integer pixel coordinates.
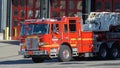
{"type": "Point", "coordinates": [27, 53]}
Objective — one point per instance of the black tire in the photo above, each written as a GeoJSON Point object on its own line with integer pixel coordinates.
{"type": "Point", "coordinates": [115, 52]}
{"type": "Point", "coordinates": [65, 53]}
{"type": "Point", "coordinates": [37, 59]}
{"type": "Point", "coordinates": [103, 52]}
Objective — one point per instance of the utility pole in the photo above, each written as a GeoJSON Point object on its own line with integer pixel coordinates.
{"type": "Point", "coordinates": [4, 17]}
{"type": "Point", "coordinates": [8, 22]}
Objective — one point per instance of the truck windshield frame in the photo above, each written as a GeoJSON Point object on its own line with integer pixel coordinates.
{"type": "Point", "coordinates": [33, 29]}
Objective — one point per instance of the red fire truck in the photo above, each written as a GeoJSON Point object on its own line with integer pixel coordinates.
{"type": "Point", "coordinates": [64, 38]}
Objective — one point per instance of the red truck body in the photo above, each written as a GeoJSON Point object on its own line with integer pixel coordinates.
{"type": "Point", "coordinates": [64, 38]}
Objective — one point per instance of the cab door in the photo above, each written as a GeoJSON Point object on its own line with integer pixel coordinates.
{"type": "Point", "coordinates": [56, 39]}
{"type": "Point", "coordinates": [73, 34]}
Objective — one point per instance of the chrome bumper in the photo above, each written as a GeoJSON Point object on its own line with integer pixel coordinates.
{"type": "Point", "coordinates": [33, 53]}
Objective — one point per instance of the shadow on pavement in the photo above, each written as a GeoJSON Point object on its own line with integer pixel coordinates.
{"type": "Point", "coordinates": [48, 62]}
{"type": "Point", "coordinates": [69, 63]}
{"type": "Point", "coordinates": [16, 62]}
{"type": "Point", "coordinates": [13, 42]}
{"type": "Point", "coordinates": [94, 59]}
{"type": "Point", "coordinates": [13, 62]}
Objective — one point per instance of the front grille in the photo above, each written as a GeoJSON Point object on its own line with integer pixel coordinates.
{"type": "Point", "coordinates": [32, 43]}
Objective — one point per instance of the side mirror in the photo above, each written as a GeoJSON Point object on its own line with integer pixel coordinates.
{"type": "Point", "coordinates": [56, 31]}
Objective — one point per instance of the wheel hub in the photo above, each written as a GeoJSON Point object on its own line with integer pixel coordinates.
{"type": "Point", "coordinates": [115, 52]}
{"type": "Point", "coordinates": [66, 53]}
{"type": "Point", "coordinates": [103, 53]}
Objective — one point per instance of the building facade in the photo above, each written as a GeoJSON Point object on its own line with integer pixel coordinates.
{"type": "Point", "coordinates": [107, 5]}
{"type": "Point", "coordinates": [0, 13]}
{"type": "Point", "coordinates": [14, 12]}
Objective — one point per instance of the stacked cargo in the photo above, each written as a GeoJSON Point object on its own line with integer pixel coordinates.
{"type": "Point", "coordinates": [101, 21]}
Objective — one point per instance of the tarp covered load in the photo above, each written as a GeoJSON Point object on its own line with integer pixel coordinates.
{"type": "Point", "coordinates": [101, 21]}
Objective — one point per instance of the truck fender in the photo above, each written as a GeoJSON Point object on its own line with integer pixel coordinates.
{"type": "Point", "coordinates": [110, 44]}
{"type": "Point", "coordinates": [65, 43]}
{"type": "Point", "coordinates": [97, 46]}
{"type": "Point", "coordinates": [114, 44]}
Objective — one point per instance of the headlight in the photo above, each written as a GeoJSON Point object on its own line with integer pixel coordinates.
{"type": "Point", "coordinates": [53, 50]}
{"type": "Point", "coordinates": [41, 43]}
{"type": "Point", "coordinates": [22, 49]}
{"type": "Point", "coordinates": [21, 44]}
{"type": "Point", "coordinates": [75, 49]}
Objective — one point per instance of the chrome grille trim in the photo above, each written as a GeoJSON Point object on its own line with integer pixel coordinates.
{"type": "Point", "coordinates": [32, 43]}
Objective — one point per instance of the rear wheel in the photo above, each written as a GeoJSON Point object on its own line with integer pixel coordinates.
{"type": "Point", "coordinates": [115, 52]}
{"type": "Point", "coordinates": [103, 52]}
{"type": "Point", "coordinates": [65, 53]}
{"type": "Point", "coordinates": [37, 59]}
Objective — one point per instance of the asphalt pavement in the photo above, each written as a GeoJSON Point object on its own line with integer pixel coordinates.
{"type": "Point", "coordinates": [8, 48]}
{"type": "Point", "coordinates": [9, 58]}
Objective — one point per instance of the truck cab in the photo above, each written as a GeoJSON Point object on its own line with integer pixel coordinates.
{"type": "Point", "coordinates": [60, 38]}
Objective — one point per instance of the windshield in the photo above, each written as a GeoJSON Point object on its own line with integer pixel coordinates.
{"type": "Point", "coordinates": [34, 29]}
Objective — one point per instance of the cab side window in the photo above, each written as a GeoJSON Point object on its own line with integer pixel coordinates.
{"type": "Point", "coordinates": [65, 28]}
{"type": "Point", "coordinates": [72, 25]}
{"type": "Point", "coordinates": [55, 28]}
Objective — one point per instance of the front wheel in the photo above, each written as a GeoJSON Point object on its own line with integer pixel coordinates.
{"type": "Point", "coordinates": [37, 59]}
{"type": "Point", "coordinates": [65, 53]}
